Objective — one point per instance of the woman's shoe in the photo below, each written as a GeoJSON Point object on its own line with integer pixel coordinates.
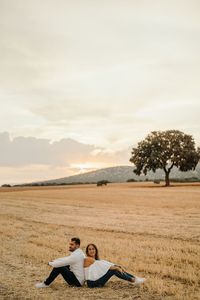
{"type": "Point", "coordinates": [139, 280]}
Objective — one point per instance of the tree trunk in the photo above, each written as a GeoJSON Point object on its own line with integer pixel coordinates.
{"type": "Point", "coordinates": [167, 182]}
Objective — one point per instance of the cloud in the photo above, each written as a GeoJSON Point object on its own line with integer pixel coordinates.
{"type": "Point", "coordinates": [30, 158]}
{"type": "Point", "coordinates": [23, 151]}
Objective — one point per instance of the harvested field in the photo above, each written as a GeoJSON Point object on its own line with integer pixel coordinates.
{"type": "Point", "coordinates": [151, 230]}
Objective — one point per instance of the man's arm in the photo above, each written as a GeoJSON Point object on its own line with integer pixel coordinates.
{"type": "Point", "coordinates": [63, 261]}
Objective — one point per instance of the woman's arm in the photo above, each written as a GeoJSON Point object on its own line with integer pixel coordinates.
{"type": "Point", "coordinates": [88, 261]}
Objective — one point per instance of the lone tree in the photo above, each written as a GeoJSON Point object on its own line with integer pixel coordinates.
{"type": "Point", "coordinates": [164, 150]}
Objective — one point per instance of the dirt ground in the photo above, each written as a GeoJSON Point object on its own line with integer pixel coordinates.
{"type": "Point", "coordinates": [151, 230]}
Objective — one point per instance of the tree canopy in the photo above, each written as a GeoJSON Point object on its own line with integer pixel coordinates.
{"type": "Point", "coordinates": [164, 150]}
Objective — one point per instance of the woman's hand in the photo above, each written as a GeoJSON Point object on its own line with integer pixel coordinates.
{"type": "Point", "coordinates": [122, 270]}
{"type": "Point", "coordinates": [117, 268]}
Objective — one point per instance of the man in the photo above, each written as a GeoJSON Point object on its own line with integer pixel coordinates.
{"type": "Point", "coordinates": [70, 267]}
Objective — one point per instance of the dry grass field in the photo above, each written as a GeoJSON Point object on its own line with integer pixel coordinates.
{"type": "Point", "coordinates": [151, 230]}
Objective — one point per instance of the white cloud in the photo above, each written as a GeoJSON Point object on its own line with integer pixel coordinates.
{"type": "Point", "coordinates": [31, 159]}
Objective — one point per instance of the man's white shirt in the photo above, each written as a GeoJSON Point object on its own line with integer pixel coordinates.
{"type": "Point", "coordinates": [75, 260]}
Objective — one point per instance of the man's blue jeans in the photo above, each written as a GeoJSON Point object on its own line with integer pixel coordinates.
{"type": "Point", "coordinates": [102, 281]}
{"type": "Point", "coordinates": [68, 275]}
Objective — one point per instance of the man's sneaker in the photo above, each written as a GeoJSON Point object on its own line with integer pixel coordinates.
{"type": "Point", "coordinates": [139, 280]}
{"type": "Point", "coordinates": [41, 285]}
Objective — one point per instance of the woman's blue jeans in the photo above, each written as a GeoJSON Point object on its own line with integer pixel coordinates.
{"type": "Point", "coordinates": [102, 281]}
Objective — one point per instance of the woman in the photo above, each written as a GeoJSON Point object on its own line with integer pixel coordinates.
{"type": "Point", "coordinates": [98, 272]}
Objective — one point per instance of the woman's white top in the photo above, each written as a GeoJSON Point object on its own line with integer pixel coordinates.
{"type": "Point", "coordinates": [98, 269]}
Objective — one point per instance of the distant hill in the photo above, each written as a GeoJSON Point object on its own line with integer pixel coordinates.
{"type": "Point", "coordinates": [121, 174]}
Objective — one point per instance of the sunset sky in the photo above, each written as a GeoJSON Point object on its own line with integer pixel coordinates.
{"type": "Point", "coordinates": [83, 81]}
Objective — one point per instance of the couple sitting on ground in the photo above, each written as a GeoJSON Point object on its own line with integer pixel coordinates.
{"type": "Point", "coordinates": [76, 268]}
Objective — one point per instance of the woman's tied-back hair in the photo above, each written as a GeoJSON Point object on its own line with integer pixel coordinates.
{"type": "Point", "coordinates": [96, 253]}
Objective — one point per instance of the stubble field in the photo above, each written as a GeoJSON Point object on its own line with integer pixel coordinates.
{"type": "Point", "coordinates": [151, 230]}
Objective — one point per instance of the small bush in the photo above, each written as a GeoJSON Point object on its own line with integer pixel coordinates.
{"type": "Point", "coordinates": [6, 185]}
{"type": "Point", "coordinates": [131, 180]}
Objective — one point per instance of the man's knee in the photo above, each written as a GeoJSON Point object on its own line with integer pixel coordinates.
{"type": "Point", "coordinates": [60, 269]}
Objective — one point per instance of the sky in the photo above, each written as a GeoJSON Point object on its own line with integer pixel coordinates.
{"type": "Point", "coordinates": [83, 81]}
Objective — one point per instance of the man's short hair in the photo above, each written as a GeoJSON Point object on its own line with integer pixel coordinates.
{"type": "Point", "coordinates": [76, 240]}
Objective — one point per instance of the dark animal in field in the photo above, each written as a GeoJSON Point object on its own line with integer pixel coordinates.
{"type": "Point", "coordinates": [102, 182]}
